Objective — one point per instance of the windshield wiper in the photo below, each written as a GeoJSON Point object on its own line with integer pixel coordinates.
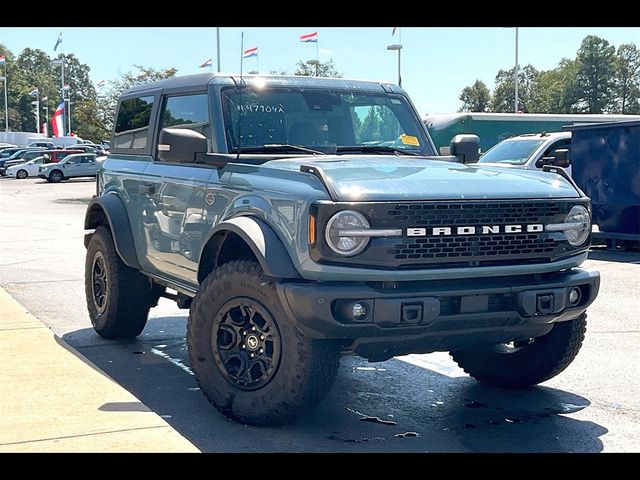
{"type": "Point", "coordinates": [374, 148]}
{"type": "Point", "coordinates": [276, 147]}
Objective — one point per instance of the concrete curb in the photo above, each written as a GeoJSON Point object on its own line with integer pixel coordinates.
{"type": "Point", "coordinates": [52, 399]}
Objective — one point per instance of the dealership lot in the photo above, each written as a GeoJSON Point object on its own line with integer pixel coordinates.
{"type": "Point", "coordinates": [593, 406]}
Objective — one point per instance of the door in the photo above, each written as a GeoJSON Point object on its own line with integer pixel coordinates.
{"type": "Point", "coordinates": [174, 215]}
{"type": "Point", "coordinates": [72, 167]}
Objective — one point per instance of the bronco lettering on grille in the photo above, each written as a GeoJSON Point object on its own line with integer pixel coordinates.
{"type": "Point", "coordinates": [472, 230]}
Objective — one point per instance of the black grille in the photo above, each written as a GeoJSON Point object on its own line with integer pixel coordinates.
{"type": "Point", "coordinates": [468, 246]}
{"type": "Point", "coordinates": [440, 251]}
{"type": "Point", "coordinates": [456, 214]}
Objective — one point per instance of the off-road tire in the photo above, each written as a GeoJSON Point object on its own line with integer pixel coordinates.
{"type": "Point", "coordinates": [306, 369]}
{"type": "Point", "coordinates": [129, 294]}
{"type": "Point", "coordinates": [56, 176]}
{"type": "Point", "coordinates": [534, 363]}
{"type": "Point", "coordinates": [22, 174]}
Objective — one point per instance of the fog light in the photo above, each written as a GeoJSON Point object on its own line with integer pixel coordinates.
{"type": "Point", "coordinates": [574, 296]}
{"type": "Point", "coordinates": [359, 311]}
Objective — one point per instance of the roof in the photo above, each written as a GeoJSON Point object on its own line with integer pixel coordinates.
{"type": "Point", "coordinates": [543, 135]}
{"type": "Point", "coordinates": [626, 123]}
{"type": "Point", "coordinates": [201, 80]}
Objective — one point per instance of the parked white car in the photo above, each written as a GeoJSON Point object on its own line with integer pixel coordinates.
{"type": "Point", "coordinates": [28, 169]}
{"type": "Point", "coordinates": [77, 165]}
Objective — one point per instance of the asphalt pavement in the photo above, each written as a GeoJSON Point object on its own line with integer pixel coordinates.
{"type": "Point", "coordinates": [427, 402]}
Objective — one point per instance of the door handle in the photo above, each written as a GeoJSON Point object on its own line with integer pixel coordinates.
{"type": "Point", "coordinates": [147, 189]}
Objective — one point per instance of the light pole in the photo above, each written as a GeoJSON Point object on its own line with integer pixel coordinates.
{"type": "Point", "coordinates": [6, 103]}
{"type": "Point", "coordinates": [398, 47]}
{"type": "Point", "coordinates": [217, 48]}
{"type": "Point", "coordinates": [516, 70]}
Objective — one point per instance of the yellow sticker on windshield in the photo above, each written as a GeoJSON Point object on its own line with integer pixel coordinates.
{"type": "Point", "coordinates": [410, 140]}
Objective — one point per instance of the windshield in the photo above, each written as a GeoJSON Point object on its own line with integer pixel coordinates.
{"type": "Point", "coordinates": [321, 120]}
{"type": "Point", "coordinates": [515, 152]}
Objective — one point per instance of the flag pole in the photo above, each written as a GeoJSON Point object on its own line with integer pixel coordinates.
{"type": "Point", "coordinates": [317, 55]}
{"type": "Point", "coordinates": [241, 53]}
{"type": "Point", "coordinates": [258, 63]}
{"type": "Point", "coordinates": [217, 48]}
{"type": "Point", "coordinates": [62, 78]}
{"type": "Point", "coordinates": [6, 103]}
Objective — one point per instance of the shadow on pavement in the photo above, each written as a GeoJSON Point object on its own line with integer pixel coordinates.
{"type": "Point", "coordinates": [423, 410]}
{"type": "Point", "coordinates": [603, 254]}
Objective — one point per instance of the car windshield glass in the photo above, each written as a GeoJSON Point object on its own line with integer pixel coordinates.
{"type": "Point", "coordinates": [515, 152]}
{"type": "Point", "coordinates": [321, 120]}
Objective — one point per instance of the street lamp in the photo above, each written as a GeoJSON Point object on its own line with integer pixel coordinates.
{"type": "Point", "coordinates": [398, 47]}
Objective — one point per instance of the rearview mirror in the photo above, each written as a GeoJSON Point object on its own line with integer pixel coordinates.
{"type": "Point", "coordinates": [466, 147]}
{"type": "Point", "coordinates": [180, 145]}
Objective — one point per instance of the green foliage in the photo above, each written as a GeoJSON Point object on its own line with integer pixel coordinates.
{"type": "Point", "coordinates": [475, 98]}
{"type": "Point", "coordinates": [595, 74]}
{"type": "Point", "coordinates": [598, 80]}
{"type": "Point", "coordinates": [314, 68]}
{"type": "Point", "coordinates": [91, 112]}
{"type": "Point", "coordinates": [627, 81]}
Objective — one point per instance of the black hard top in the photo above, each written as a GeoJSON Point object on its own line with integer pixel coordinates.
{"type": "Point", "coordinates": [202, 80]}
{"type": "Point", "coordinates": [588, 126]}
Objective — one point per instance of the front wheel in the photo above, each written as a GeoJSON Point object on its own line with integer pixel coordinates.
{"type": "Point", "coordinates": [525, 362]}
{"type": "Point", "coordinates": [56, 176]}
{"type": "Point", "coordinates": [22, 174]}
{"type": "Point", "coordinates": [251, 362]}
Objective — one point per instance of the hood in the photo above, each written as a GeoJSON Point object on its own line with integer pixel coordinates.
{"type": "Point", "coordinates": [391, 178]}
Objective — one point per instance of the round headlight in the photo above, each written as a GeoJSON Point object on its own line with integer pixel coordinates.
{"type": "Point", "coordinates": [338, 229]}
{"type": "Point", "coordinates": [580, 223]}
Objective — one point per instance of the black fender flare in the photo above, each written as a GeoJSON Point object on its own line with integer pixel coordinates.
{"type": "Point", "coordinates": [109, 207]}
{"type": "Point", "coordinates": [263, 242]}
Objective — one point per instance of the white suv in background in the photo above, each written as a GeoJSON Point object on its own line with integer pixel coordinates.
{"type": "Point", "coordinates": [77, 165]}
{"type": "Point", "coordinates": [530, 151]}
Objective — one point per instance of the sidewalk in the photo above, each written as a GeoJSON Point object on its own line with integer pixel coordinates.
{"type": "Point", "coordinates": [53, 400]}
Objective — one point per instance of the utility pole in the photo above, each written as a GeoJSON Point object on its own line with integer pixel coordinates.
{"type": "Point", "coordinates": [6, 103]}
{"type": "Point", "coordinates": [516, 70]}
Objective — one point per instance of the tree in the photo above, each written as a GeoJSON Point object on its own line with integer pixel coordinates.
{"type": "Point", "coordinates": [309, 68]}
{"type": "Point", "coordinates": [595, 75]}
{"type": "Point", "coordinates": [627, 78]}
{"type": "Point", "coordinates": [107, 102]}
{"type": "Point", "coordinates": [475, 98]}
{"type": "Point", "coordinates": [503, 99]}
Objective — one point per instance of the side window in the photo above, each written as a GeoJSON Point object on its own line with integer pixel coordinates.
{"type": "Point", "coordinates": [132, 124]}
{"type": "Point", "coordinates": [186, 111]}
{"type": "Point", "coordinates": [560, 144]}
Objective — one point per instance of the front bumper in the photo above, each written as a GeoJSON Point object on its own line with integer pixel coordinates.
{"type": "Point", "coordinates": [445, 315]}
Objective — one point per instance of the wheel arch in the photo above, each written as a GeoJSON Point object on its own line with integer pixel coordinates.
{"type": "Point", "coordinates": [245, 238]}
{"type": "Point", "coordinates": [110, 211]}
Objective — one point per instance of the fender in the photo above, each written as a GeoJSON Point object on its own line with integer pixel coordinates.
{"type": "Point", "coordinates": [111, 208]}
{"type": "Point", "coordinates": [264, 244]}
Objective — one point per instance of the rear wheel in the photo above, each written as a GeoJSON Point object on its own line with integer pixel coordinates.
{"type": "Point", "coordinates": [525, 362]}
{"type": "Point", "coordinates": [56, 176]}
{"type": "Point", "coordinates": [251, 362]}
{"type": "Point", "coordinates": [118, 296]}
{"type": "Point", "coordinates": [21, 174]}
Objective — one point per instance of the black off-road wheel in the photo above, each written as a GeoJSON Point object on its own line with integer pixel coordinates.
{"type": "Point", "coordinates": [56, 176]}
{"type": "Point", "coordinates": [118, 296]}
{"type": "Point", "coordinates": [22, 174]}
{"type": "Point", "coordinates": [528, 362]}
{"type": "Point", "coordinates": [251, 361]}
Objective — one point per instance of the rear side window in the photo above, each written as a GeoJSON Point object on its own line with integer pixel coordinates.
{"type": "Point", "coordinates": [132, 124]}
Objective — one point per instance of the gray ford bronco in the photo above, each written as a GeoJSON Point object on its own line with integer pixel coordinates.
{"type": "Point", "coordinates": [301, 219]}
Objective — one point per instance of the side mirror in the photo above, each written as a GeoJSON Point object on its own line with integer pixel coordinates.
{"type": "Point", "coordinates": [466, 147]}
{"type": "Point", "coordinates": [560, 157]}
{"type": "Point", "coordinates": [180, 145]}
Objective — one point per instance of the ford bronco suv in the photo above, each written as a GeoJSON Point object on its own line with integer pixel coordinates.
{"type": "Point", "coordinates": [301, 219]}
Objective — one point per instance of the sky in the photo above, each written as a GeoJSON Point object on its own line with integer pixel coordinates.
{"type": "Point", "coordinates": [437, 62]}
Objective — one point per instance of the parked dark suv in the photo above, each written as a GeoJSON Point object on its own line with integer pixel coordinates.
{"type": "Point", "coordinates": [301, 219]}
